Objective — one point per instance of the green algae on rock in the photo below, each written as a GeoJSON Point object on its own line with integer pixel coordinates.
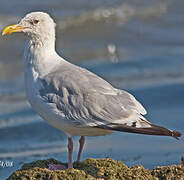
{"type": "Point", "coordinates": [101, 169]}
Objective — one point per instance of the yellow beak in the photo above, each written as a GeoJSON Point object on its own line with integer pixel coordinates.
{"type": "Point", "coordinates": [12, 28]}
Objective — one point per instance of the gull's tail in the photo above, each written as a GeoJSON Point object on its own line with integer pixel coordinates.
{"type": "Point", "coordinates": [152, 130]}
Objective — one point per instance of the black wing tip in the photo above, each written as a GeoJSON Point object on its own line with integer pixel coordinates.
{"type": "Point", "coordinates": [153, 130]}
{"type": "Point", "coordinates": [176, 134]}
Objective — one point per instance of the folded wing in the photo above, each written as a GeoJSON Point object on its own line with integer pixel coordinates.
{"type": "Point", "coordinates": [89, 101]}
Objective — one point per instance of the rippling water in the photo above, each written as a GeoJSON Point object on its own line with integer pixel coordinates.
{"type": "Point", "coordinates": [138, 46]}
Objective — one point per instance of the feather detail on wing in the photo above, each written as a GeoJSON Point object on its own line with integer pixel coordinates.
{"type": "Point", "coordinates": [86, 99]}
{"type": "Point", "coordinates": [132, 102]}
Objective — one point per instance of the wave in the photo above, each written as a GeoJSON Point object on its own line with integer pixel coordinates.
{"type": "Point", "coordinates": [18, 121]}
{"type": "Point", "coordinates": [117, 14]}
{"type": "Point", "coordinates": [16, 113]}
{"type": "Point", "coordinates": [36, 149]}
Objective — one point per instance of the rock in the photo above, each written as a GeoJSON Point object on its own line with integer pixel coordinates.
{"type": "Point", "coordinates": [100, 169]}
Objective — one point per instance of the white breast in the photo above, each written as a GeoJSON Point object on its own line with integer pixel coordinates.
{"type": "Point", "coordinates": [35, 67]}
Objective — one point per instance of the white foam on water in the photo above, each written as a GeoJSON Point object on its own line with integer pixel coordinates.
{"type": "Point", "coordinates": [116, 15]}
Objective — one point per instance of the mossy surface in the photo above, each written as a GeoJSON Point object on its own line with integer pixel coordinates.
{"type": "Point", "coordinates": [100, 169]}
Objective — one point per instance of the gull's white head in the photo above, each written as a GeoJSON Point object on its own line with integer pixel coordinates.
{"type": "Point", "coordinates": [37, 25]}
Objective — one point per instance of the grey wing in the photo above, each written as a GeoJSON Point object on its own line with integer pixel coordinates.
{"type": "Point", "coordinates": [87, 100]}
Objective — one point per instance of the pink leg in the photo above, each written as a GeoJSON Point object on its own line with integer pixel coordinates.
{"type": "Point", "coordinates": [70, 152]}
{"type": "Point", "coordinates": [81, 142]}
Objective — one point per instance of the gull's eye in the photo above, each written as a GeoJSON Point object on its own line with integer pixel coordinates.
{"type": "Point", "coordinates": [35, 21]}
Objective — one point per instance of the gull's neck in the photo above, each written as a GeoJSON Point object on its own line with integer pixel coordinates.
{"type": "Point", "coordinates": [40, 56]}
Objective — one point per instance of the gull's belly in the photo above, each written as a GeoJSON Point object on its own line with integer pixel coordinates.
{"type": "Point", "coordinates": [55, 118]}
{"type": "Point", "coordinates": [46, 110]}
